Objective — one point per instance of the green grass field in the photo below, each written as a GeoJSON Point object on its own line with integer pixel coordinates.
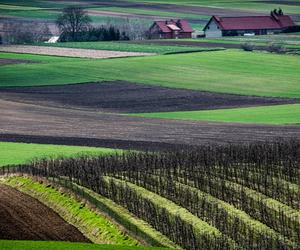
{"type": "Point", "coordinates": [58, 245]}
{"type": "Point", "coordinates": [278, 114]}
{"type": "Point", "coordinates": [258, 6]}
{"type": "Point", "coordinates": [229, 71]}
{"type": "Point", "coordinates": [125, 46]}
{"type": "Point", "coordinates": [19, 153]}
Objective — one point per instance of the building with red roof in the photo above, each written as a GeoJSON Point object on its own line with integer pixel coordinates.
{"type": "Point", "coordinates": [170, 29]}
{"type": "Point", "coordinates": [276, 22]}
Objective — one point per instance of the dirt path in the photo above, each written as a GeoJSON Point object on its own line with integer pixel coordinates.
{"type": "Point", "coordinates": [127, 97]}
{"type": "Point", "coordinates": [96, 128]}
{"type": "Point", "coordinates": [70, 52]}
{"type": "Point", "coordinates": [24, 218]}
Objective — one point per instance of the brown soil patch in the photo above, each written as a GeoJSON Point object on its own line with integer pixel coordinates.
{"type": "Point", "coordinates": [96, 128]}
{"type": "Point", "coordinates": [6, 61]}
{"type": "Point", "coordinates": [70, 52]}
{"type": "Point", "coordinates": [24, 218]}
{"type": "Point", "coordinates": [126, 97]}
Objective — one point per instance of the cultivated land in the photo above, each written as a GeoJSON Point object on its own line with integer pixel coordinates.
{"type": "Point", "coordinates": [42, 50]}
{"type": "Point", "coordinates": [126, 97]}
{"type": "Point", "coordinates": [257, 73]}
{"type": "Point", "coordinates": [28, 122]}
{"type": "Point", "coordinates": [204, 192]}
{"type": "Point", "coordinates": [210, 197]}
{"type": "Point", "coordinates": [24, 218]}
{"type": "Point", "coordinates": [281, 114]}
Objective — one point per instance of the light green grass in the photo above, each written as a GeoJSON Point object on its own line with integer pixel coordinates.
{"type": "Point", "coordinates": [229, 71]}
{"type": "Point", "coordinates": [277, 114]}
{"type": "Point", "coordinates": [288, 41]}
{"type": "Point", "coordinates": [19, 153]}
{"type": "Point", "coordinates": [72, 211]}
{"type": "Point", "coordinates": [125, 46]}
{"type": "Point", "coordinates": [59, 245]}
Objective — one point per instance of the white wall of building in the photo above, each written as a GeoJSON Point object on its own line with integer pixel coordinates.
{"type": "Point", "coordinates": [212, 30]}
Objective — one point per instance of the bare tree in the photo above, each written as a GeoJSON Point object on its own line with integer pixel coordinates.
{"type": "Point", "coordinates": [72, 21]}
{"type": "Point", "coordinates": [20, 32]}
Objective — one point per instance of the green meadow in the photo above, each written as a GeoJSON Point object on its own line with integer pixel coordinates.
{"type": "Point", "coordinates": [277, 114]}
{"type": "Point", "coordinates": [259, 6]}
{"type": "Point", "coordinates": [227, 71]}
{"type": "Point", "coordinates": [59, 245]}
{"type": "Point", "coordinates": [19, 153]}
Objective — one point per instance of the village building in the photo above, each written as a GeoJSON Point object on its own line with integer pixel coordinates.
{"type": "Point", "coordinates": [170, 29]}
{"type": "Point", "coordinates": [276, 22]}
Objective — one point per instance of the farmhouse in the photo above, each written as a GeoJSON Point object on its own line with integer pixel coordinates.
{"type": "Point", "coordinates": [170, 29]}
{"type": "Point", "coordinates": [276, 22]}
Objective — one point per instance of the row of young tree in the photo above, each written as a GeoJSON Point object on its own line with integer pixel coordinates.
{"type": "Point", "coordinates": [224, 172]}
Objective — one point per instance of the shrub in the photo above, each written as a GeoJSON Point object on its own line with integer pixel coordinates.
{"type": "Point", "coordinates": [247, 46]}
{"type": "Point", "coordinates": [276, 48]}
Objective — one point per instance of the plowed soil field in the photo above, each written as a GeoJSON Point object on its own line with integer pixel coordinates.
{"type": "Point", "coordinates": [36, 123]}
{"type": "Point", "coordinates": [126, 97]}
{"type": "Point", "coordinates": [53, 51]}
{"type": "Point", "coordinates": [24, 218]}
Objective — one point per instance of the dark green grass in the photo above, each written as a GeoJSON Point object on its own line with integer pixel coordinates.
{"type": "Point", "coordinates": [277, 114]}
{"type": "Point", "coordinates": [59, 245]}
{"type": "Point", "coordinates": [229, 71]}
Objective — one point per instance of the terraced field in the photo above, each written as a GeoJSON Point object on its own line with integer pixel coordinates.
{"type": "Point", "coordinates": [197, 198]}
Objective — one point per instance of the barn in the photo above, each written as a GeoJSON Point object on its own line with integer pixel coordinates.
{"type": "Point", "coordinates": [276, 22]}
{"type": "Point", "coordinates": [170, 29]}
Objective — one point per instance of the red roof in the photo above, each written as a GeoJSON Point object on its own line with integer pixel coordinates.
{"type": "Point", "coordinates": [183, 25]}
{"type": "Point", "coordinates": [254, 22]}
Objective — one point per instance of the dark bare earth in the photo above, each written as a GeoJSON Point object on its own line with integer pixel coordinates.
{"type": "Point", "coordinates": [25, 218]}
{"type": "Point", "coordinates": [6, 61]}
{"type": "Point", "coordinates": [125, 97]}
{"type": "Point", "coordinates": [35, 123]}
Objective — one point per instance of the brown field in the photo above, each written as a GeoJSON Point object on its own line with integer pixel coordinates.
{"type": "Point", "coordinates": [126, 97]}
{"type": "Point", "coordinates": [41, 124]}
{"type": "Point", "coordinates": [24, 218]}
{"type": "Point", "coordinates": [83, 53]}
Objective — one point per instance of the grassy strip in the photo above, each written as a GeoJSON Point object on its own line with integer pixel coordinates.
{"type": "Point", "coordinates": [277, 115]}
{"type": "Point", "coordinates": [251, 228]}
{"type": "Point", "coordinates": [19, 153]}
{"type": "Point", "coordinates": [227, 71]}
{"type": "Point", "coordinates": [201, 227]}
{"type": "Point", "coordinates": [128, 47]}
{"type": "Point", "coordinates": [139, 228]}
{"type": "Point", "coordinates": [56, 245]}
{"type": "Point", "coordinates": [93, 225]}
